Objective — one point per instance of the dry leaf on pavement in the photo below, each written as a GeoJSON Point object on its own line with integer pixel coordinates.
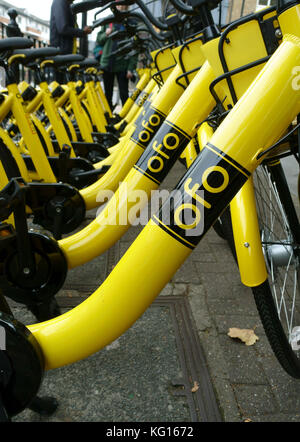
{"type": "Point", "coordinates": [195, 387]}
{"type": "Point", "coordinates": [246, 335]}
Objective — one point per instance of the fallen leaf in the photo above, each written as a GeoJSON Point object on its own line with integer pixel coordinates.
{"type": "Point", "coordinates": [246, 335]}
{"type": "Point", "coordinates": [195, 387]}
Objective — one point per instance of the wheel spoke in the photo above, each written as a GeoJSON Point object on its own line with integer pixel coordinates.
{"type": "Point", "coordinates": [275, 232]}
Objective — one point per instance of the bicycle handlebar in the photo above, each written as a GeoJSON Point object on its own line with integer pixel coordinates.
{"type": "Point", "coordinates": [182, 7]}
{"type": "Point", "coordinates": [109, 19]}
{"type": "Point", "coordinates": [113, 4]}
{"type": "Point", "coordinates": [120, 16]}
{"type": "Point", "coordinates": [87, 5]}
{"type": "Point", "coordinates": [143, 7]}
{"type": "Point", "coordinates": [143, 18]}
{"type": "Point", "coordinates": [124, 49]}
{"type": "Point", "coordinates": [156, 22]}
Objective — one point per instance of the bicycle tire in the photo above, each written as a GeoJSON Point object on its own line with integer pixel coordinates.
{"type": "Point", "coordinates": [280, 315]}
{"type": "Point", "coordinates": [274, 331]}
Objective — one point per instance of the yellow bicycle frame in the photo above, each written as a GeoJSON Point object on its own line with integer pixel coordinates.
{"type": "Point", "coordinates": [259, 118]}
{"type": "Point", "coordinates": [161, 105]}
{"type": "Point", "coordinates": [13, 102]}
{"type": "Point", "coordinates": [138, 89]}
{"type": "Point", "coordinates": [107, 228]}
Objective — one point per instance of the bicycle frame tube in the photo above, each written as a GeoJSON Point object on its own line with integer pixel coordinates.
{"type": "Point", "coordinates": [44, 97]}
{"type": "Point", "coordinates": [55, 118]}
{"type": "Point", "coordinates": [44, 134]}
{"type": "Point", "coordinates": [145, 176]}
{"type": "Point", "coordinates": [30, 135]}
{"type": "Point", "coordinates": [247, 239]}
{"type": "Point", "coordinates": [132, 150]}
{"type": "Point", "coordinates": [67, 121]}
{"type": "Point", "coordinates": [245, 227]}
{"type": "Point", "coordinates": [95, 107]}
{"type": "Point", "coordinates": [259, 118]}
{"type": "Point", "coordinates": [139, 101]}
{"type": "Point", "coordinates": [138, 89]}
{"type": "Point", "coordinates": [102, 98]}
{"type": "Point", "coordinates": [17, 156]}
{"type": "Point", "coordinates": [82, 120]}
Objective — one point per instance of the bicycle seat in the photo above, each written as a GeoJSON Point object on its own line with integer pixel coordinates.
{"type": "Point", "coordinates": [66, 60]}
{"type": "Point", "coordinates": [29, 55]}
{"type": "Point", "coordinates": [88, 63]}
{"type": "Point", "coordinates": [12, 43]}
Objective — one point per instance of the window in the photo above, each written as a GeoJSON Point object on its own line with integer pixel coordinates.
{"type": "Point", "coordinates": [263, 3]}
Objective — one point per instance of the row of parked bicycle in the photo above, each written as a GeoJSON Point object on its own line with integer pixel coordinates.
{"type": "Point", "coordinates": [223, 101]}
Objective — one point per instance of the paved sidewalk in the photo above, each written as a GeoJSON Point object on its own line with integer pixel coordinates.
{"type": "Point", "coordinates": [139, 377]}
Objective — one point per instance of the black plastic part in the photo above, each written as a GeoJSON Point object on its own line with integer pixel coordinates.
{"type": "Point", "coordinates": [25, 373]}
{"type": "Point", "coordinates": [57, 207]}
{"type": "Point", "coordinates": [97, 172]}
{"type": "Point", "coordinates": [282, 5]}
{"type": "Point", "coordinates": [29, 93]}
{"type": "Point", "coordinates": [8, 161]}
{"type": "Point", "coordinates": [112, 120]}
{"type": "Point", "coordinates": [57, 92]}
{"type": "Point", "coordinates": [45, 310]}
{"type": "Point", "coordinates": [83, 149]}
{"type": "Point", "coordinates": [43, 281]}
{"type": "Point", "coordinates": [66, 169]}
{"type": "Point", "coordinates": [106, 139]}
{"type": "Point", "coordinates": [44, 406]}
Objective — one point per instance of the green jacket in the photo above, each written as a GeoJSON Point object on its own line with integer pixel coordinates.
{"type": "Point", "coordinates": [113, 64]}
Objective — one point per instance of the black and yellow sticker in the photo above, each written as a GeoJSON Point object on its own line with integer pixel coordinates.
{"type": "Point", "coordinates": [135, 94]}
{"type": "Point", "coordinates": [201, 195]}
{"type": "Point", "coordinates": [162, 152]}
{"type": "Point", "coordinates": [142, 114]}
{"type": "Point", "coordinates": [147, 127]}
{"type": "Point", "coordinates": [141, 99]}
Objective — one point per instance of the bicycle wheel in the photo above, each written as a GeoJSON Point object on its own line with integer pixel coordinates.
{"type": "Point", "coordinates": [278, 298]}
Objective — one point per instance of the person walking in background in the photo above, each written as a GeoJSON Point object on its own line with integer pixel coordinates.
{"type": "Point", "coordinates": [114, 66]}
{"type": "Point", "coordinates": [63, 28]}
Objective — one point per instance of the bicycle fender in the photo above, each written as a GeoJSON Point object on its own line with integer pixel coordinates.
{"type": "Point", "coordinates": [246, 234]}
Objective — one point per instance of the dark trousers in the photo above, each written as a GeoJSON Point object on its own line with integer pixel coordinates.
{"type": "Point", "coordinates": [108, 79]}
